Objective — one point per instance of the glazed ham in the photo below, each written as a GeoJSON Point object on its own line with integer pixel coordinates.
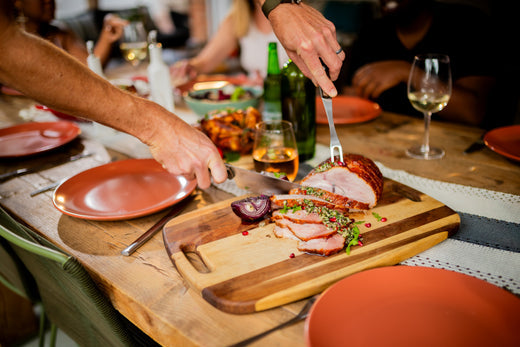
{"type": "Point", "coordinates": [357, 179]}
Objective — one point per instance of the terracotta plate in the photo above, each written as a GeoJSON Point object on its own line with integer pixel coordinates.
{"type": "Point", "coordinates": [35, 137]}
{"type": "Point", "coordinates": [348, 110]}
{"type": "Point", "coordinates": [505, 141]}
{"type": "Point", "coordinates": [121, 190]}
{"type": "Point", "coordinates": [413, 306]}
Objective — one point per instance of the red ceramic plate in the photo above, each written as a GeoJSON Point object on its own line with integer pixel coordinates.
{"type": "Point", "coordinates": [35, 137]}
{"type": "Point", "coordinates": [505, 141]}
{"type": "Point", "coordinates": [413, 306]}
{"type": "Point", "coordinates": [121, 190]}
{"type": "Point", "coordinates": [348, 110]}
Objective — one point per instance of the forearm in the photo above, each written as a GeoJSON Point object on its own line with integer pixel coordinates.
{"type": "Point", "coordinates": [51, 77]}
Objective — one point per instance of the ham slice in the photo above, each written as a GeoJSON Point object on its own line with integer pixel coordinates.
{"type": "Point", "coordinates": [300, 216]}
{"type": "Point", "coordinates": [305, 232]}
{"type": "Point", "coordinates": [284, 233]}
{"type": "Point", "coordinates": [323, 246]}
{"type": "Point", "coordinates": [357, 178]}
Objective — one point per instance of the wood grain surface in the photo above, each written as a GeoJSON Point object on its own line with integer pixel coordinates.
{"type": "Point", "coordinates": [248, 273]}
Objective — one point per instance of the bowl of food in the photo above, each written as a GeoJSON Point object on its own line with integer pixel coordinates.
{"type": "Point", "coordinates": [203, 101]}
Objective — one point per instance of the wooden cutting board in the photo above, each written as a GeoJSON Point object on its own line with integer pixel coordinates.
{"type": "Point", "coordinates": [240, 273]}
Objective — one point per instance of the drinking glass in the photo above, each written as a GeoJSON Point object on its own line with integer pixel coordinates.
{"type": "Point", "coordinates": [429, 90]}
{"type": "Point", "coordinates": [133, 43]}
{"type": "Point", "coordinates": [275, 149]}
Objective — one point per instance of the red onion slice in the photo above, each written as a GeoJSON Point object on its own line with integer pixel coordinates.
{"type": "Point", "coordinates": [253, 208]}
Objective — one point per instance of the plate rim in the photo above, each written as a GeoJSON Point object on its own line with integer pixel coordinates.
{"type": "Point", "coordinates": [41, 126]}
{"type": "Point", "coordinates": [371, 116]}
{"type": "Point", "coordinates": [498, 149]}
{"type": "Point", "coordinates": [410, 271]}
{"type": "Point", "coordinates": [190, 187]}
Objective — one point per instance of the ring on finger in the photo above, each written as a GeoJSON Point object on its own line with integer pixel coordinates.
{"type": "Point", "coordinates": [339, 50]}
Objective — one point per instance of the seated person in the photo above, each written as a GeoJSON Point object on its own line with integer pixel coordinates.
{"type": "Point", "coordinates": [245, 27]}
{"type": "Point", "coordinates": [381, 57]}
{"type": "Point", "coordinates": [36, 17]}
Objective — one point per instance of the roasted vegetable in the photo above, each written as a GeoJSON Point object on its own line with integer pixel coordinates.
{"type": "Point", "coordinates": [232, 130]}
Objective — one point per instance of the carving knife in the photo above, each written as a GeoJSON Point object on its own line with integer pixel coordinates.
{"type": "Point", "coordinates": [259, 183]}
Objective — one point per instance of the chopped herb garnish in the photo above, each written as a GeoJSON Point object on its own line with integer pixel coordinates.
{"type": "Point", "coordinates": [376, 216]}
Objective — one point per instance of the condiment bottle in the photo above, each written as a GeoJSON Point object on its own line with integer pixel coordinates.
{"type": "Point", "coordinates": [92, 61]}
{"type": "Point", "coordinates": [161, 90]}
{"type": "Point", "coordinates": [299, 108]}
{"type": "Point", "coordinates": [272, 93]}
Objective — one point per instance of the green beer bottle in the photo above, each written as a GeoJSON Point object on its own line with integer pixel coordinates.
{"type": "Point", "coordinates": [299, 108]}
{"type": "Point", "coordinates": [272, 102]}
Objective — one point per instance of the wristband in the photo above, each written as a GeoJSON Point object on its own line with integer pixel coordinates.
{"type": "Point", "coordinates": [270, 5]}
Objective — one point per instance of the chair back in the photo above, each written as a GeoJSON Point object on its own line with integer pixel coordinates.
{"type": "Point", "coordinates": [70, 297]}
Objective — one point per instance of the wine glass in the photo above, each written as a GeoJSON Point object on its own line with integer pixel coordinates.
{"type": "Point", "coordinates": [275, 149]}
{"type": "Point", "coordinates": [429, 90]}
{"type": "Point", "coordinates": [133, 43]}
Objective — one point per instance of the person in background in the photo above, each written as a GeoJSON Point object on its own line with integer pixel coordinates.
{"type": "Point", "coordinates": [245, 28]}
{"type": "Point", "coordinates": [381, 57]}
{"type": "Point", "coordinates": [35, 17]}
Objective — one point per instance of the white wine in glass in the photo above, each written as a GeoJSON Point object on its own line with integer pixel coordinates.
{"type": "Point", "coordinates": [429, 90]}
{"type": "Point", "coordinates": [133, 43]}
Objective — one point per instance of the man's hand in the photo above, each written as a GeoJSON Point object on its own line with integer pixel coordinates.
{"type": "Point", "coordinates": [307, 36]}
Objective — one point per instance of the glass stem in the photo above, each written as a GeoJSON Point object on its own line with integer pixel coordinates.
{"type": "Point", "coordinates": [426, 141]}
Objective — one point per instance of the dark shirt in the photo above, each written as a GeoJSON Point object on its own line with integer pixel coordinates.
{"type": "Point", "coordinates": [459, 31]}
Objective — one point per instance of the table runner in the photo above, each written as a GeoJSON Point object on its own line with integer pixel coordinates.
{"type": "Point", "coordinates": [487, 245]}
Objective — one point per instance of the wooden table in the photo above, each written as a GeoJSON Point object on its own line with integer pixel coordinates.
{"type": "Point", "coordinates": [147, 289]}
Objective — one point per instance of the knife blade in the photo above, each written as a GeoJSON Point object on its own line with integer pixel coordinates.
{"type": "Point", "coordinates": [23, 171]}
{"type": "Point", "coordinates": [259, 183]}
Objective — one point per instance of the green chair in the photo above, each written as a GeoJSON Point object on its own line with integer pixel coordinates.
{"type": "Point", "coordinates": [15, 277]}
{"type": "Point", "coordinates": [70, 298]}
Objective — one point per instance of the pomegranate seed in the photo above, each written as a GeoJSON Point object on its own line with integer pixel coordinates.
{"type": "Point", "coordinates": [291, 255]}
{"type": "Point", "coordinates": [368, 225]}
{"type": "Point", "coordinates": [360, 243]}
{"type": "Point", "coordinates": [332, 219]}
{"type": "Point", "coordinates": [245, 233]}
{"type": "Point", "coordinates": [383, 219]}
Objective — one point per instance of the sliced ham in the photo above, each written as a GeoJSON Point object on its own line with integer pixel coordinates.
{"type": "Point", "coordinates": [292, 200]}
{"type": "Point", "coordinates": [305, 232]}
{"type": "Point", "coordinates": [358, 178]}
{"type": "Point", "coordinates": [284, 233]}
{"type": "Point", "coordinates": [300, 216]}
{"type": "Point", "coordinates": [323, 246]}
{"type": "Point", "coordinates": [341, 202]}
